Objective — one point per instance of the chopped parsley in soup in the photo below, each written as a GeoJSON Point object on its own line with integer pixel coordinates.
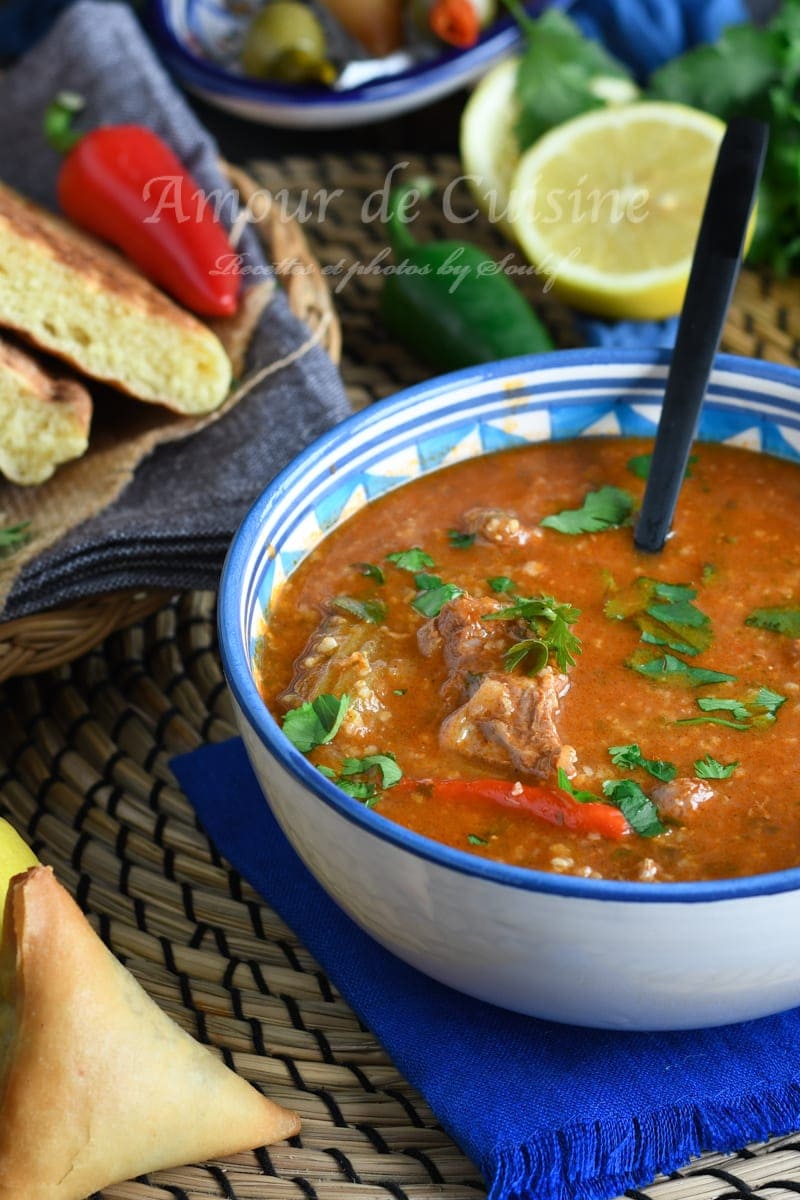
{"type": "Point", "coordinates": [483, 656]}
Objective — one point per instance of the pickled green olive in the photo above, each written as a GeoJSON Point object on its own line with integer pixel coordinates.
{"type": "Point", "coordinates": [286, 42]}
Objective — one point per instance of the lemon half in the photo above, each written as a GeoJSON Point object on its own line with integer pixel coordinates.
{"type": "Point", "coordinates": [608, 205]}
{"type": "Point", "coordinates": [488, 144]}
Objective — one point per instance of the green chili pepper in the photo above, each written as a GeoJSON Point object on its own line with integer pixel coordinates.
{"type": "Point", "coordinates": [449, 302]}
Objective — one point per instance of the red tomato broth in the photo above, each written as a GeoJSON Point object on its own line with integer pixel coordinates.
{"type": "Point", "coordinates": [734, 541]}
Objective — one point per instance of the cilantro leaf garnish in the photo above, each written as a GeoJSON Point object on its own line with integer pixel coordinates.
{"type": "Point", "coordinates": [13, 537]}
{"type": "Point", "coordinates": [778, 620]}
{"type": "Point", "coordinates": [550, 621]}
{"type": "Point", "coordinates": [371, 570]}
{"type": "Point", "coordinates": [640, 465]}
{"type": "Point", "coordinates": [712, 768]}
{"type": "Point", "coordinates": [474, 840]}
{"type": "Point", "coordinates": [370, 610]}
{"type": "Point", "coordinates": [386, 764]}
{"type": "Point", "coordinates": [555, 76]}
{"type": "Point", "coordinates": [638, 809]}
{"type": "Point", "coordinates": [414, 559]}
{"type": "Point", "coordinates": [631, 756]}
{"type": "Point", "coordinates": [353, 777]}
{"type": "Point", "coordinates": [607, 508]}
{"type": "Point", "coordinates": [668, 667]}
{"type": "Point", "coordinates": [758, 707]}
{"type": "Point", "coordinates": [315, 722]}
{"type": "Point", "coordinates": [576, 793]}
{"type": "Point", "coordinates": [459, 540]}
{"type": "Point", "coordinates": [433, 594]}
{"type": "Point", "coordinates": [664, 614]}
{"type": "Point", "coordinates": [501, 583]}
{"type": "Point", "coordinates": [532, 653]}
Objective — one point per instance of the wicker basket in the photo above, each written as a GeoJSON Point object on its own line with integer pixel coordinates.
{"type": "Point", "coordinates": [48, 639]}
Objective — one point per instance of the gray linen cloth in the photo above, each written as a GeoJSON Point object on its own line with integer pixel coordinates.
{"type": "Point", "coordinates": [173, 523]}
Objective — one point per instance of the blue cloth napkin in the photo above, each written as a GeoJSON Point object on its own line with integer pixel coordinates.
{"type": "Point", "coordinates": [547, 1111]}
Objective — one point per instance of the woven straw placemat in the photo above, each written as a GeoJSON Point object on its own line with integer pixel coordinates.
{"type": "Point", "coordinates": [84, 775]}
{"type": "Point", "coordinates": [84, 752]}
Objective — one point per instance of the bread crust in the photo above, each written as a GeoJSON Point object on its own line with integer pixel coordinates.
{"type": "Point", "coordinates": [45, 417]}
{"type": "Point", "coordinates": [71, 295]}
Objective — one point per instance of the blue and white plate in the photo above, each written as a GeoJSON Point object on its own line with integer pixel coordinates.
{"type": "Point", "coordinates": [200, 40]}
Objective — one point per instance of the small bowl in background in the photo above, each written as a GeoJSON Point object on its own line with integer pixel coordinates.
{"type": "Point", "coordinates": [198, 39]}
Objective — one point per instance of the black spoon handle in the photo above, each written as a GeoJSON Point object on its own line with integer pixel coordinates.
{"type": "Point", "coordinates": [715, 268]}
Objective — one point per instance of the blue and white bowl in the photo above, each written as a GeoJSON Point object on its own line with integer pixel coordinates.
{"type": "Point", "coordinates": [199, 41]}
{"type": "Point", "coordinates": [590, 952]}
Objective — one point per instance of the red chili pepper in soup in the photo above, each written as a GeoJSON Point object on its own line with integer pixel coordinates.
{"type": "Point", "coordinates": [548, 804]}
{"type": "Point", "coordinates": [126, 186]}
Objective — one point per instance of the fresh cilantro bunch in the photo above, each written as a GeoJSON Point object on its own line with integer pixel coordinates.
{"type": "Point", "coordinates": [561, 73]}
{"type": "Point", "coordinates": [753, 71]}
{"type": "Point", "coordinates": [750, 71]}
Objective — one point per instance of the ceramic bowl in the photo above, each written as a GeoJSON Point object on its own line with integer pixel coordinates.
{"type": "Point", "coordinates": [591, 952]}
{"type": "Point", "coordinates": [199, 41]}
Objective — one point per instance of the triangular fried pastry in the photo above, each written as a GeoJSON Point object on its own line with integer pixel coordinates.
{"type": "Point", "coordinates": [97, 1084]}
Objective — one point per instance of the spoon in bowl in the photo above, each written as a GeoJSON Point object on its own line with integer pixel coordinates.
{"type": "Point", "coordinates": [715, 268]}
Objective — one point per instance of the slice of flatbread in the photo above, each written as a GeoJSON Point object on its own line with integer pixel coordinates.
{"type": "Point", "coordinates": [77, 299]}
{"type": "Point", "coordinates": [97, 1084]}
{"type": "Point", "coordinates": [44, 417]}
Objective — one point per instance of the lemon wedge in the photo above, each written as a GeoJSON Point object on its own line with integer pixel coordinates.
{"type": "Point", "coordinates": [15, 857]}
{"type": "Point", "coordinates": [488, 144]}
{"type": "Point", "coordinates": [607, 206]}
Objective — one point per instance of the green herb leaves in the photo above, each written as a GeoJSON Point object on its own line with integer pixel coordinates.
{"type": "Point", "coordinates": [712, 768]}
{"type": "Point", "coordinates": [631, 756]}
{"type": "Point", "coordinates": [638, 809]}
{"type": "Point", "coordinates": [556, 74]}
{"type": "Point", "coordinates": [550, 621]}
{"type": "Point", "coordinates": [433, 594]}
{"type": "Point", "coordinates": [778, 620]}
{"type": "Point", "coordinates": [414, 559]}
{"type": "Point", "coordinates": [316, 722]}
{"type": "Point", "coordinates": [667, 666]}
{"type": "Point", "coordinates": [625, 794]}
{"type": "Point", "coordinates": [664, 614]}
{"type": "Point", "coordinates": [13, 537]}
{"type": "Point", "coordinates": [757, 708]}
{"type": "Point", "coordinates": [607, 508]}
{"type": "Point", "coordinates": [373, 611]}
{"type": "Point", "coordinates": [361, 778]}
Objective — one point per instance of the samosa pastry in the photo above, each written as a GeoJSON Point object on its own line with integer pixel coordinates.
{"type": "Point", "coordinates": [97, 1084]}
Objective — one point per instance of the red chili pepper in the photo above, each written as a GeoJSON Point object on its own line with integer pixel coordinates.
{"type": "Point", "coordinates": [549, 804]}
{"type": "Point", "coordinates": [123, 184]}
{"type": "Point", "coordinates": [455, 22]}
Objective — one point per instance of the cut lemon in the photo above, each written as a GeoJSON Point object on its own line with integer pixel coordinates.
{"type": "Point", "coordinates": [488, 144]}
{"type": "Point", "coordinates": [607, 206]}
{"type": "Point", "coordinates": [15, 856]}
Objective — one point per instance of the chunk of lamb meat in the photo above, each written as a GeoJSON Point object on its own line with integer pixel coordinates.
{"type": "Point", "coordinates": [504, 719]}
{"type": "Point", "coordinates": [498, 527]}
{"type": "Point", "coordinates": [681, 797]}
{"type": "Point", "coordinates": [511, 719]}
{"type": "Point", "coordinates": [470, 645]}
{"type": "Point", "coordinates": [353, 657]}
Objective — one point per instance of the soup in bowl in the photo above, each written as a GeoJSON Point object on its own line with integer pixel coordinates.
{"type": "Point", "coordinates": [538, 764]}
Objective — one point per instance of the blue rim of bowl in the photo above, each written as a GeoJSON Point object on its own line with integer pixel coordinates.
{"type": "Point", "coordinates": [240, 678]}
{"type": "Point", "coordinates": [450, 66]}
